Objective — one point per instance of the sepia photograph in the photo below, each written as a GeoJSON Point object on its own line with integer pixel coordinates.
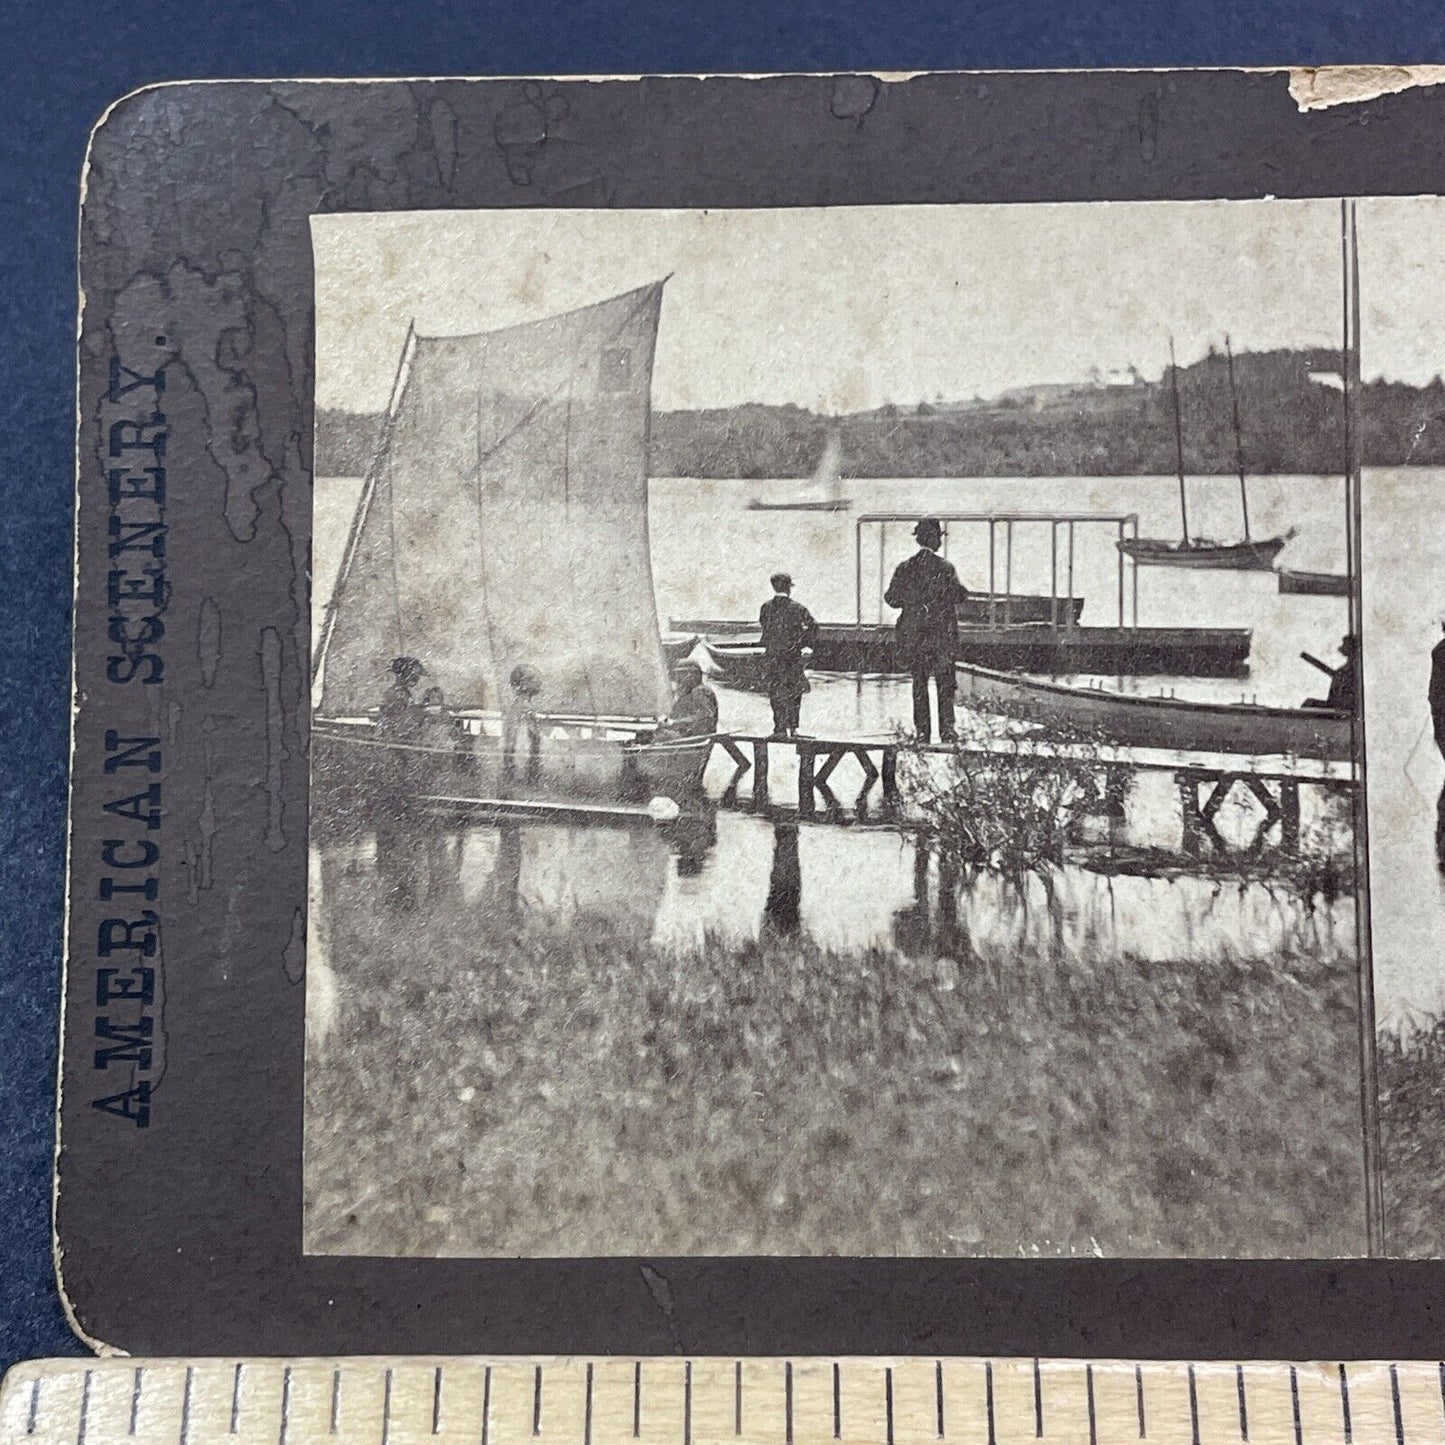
{"type": "Point", "coordinates": [878, 731]}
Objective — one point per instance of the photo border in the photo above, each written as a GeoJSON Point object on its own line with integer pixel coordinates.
{"type": "Point", "coordinates": [180, 1166]}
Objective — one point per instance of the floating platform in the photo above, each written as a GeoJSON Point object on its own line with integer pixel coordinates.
{"type": "Point", "coordinates": [736, 653]}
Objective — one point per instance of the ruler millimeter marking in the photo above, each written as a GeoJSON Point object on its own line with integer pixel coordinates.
{"type": "Point", "coordinates": [674, 1401]}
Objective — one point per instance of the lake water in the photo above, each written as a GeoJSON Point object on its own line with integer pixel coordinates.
{"type": "Point", "coordinates": [866, 886]}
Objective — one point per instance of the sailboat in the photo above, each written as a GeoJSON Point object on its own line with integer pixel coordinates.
{"type": "Point", "coordinates": [501, 541]}
{"type": "Point", "coordinates": [825, 493]}
{"type": "Point", "coordinates": [1251, 555]}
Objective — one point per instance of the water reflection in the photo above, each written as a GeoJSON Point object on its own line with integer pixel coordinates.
{"type": "Point", "coordinates": [417, 861]}
{"type": "Point", "coordinates": [693, 837]}
{"type": "Point", "coordinates": [783, 911]}
{"type": "Point", "coordinates": [928, 926]}
{"type": "Point", "coordinates": [742, 876]}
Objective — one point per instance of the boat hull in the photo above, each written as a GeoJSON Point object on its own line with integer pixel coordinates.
{"type": "Point", "coordinates": [355, 772]}
{"type": "Point", "coordinates": [1214, 556]}
{"type": "Point", "coordinates": [676, 648]}
{"type": "Point", "coordinates": [980, 608]}
{"type": "Point", "coordinates": [841, 504]}
{"type": "Point", "coordinates": [736, 654]}
{"type": "Point", "coordinates": [1314, 584]}
{"type": "Point", "coordinates": [1169, 723]}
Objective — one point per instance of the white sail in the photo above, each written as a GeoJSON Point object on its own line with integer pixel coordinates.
{"type": "Point", "coordinates": [505, 522]}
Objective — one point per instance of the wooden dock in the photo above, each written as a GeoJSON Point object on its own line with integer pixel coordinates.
{"type": "Point", "coordinates": [1203, 785]}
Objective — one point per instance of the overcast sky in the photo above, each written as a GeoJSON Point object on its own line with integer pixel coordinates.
{"type": "Point", "coordinates": [851, 307]}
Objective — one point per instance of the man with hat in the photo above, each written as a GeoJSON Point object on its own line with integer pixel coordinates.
{"type": "Point", "coordinates": [399, 718]}
{"type": "Point", "coordinates": [926, 590]}
{"type": "Point", "coordinates": [787, 628]}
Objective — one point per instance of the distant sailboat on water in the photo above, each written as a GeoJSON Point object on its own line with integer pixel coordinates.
{"type": "Point", "coordinates": [1251, 555]}
{"type": "Point", "coordinates": [825, 493]}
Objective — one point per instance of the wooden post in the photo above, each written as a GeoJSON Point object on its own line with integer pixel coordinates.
{"type": "Point", "coordinates": [1189, 808]}
{"type": "Point", "coordinates": [1116, 792]}
{"type": "Point", "coordinates": [1289, 815]}
{"type": "Point", "coordinates": [805, 779]}
{"type": "Point", "coordinates": [890, 771]}
{"type": "Point", "coordinates": [760, 770]}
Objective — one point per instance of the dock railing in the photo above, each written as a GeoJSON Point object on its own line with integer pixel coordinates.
{"type": "Point", "coordinates": [1061, 605]}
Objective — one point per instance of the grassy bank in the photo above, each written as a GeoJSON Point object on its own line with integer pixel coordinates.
{"type": "Point", "coordinates": [480, 1083]}
{"type": "Point", "coordinates": [1412, 1130]}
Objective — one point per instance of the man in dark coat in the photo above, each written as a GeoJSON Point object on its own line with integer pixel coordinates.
{"type": "Point", "coordinates": [1437, 691]}
{"type": "Point", "coordinates": [926, 590]}
{"type": "Point", "coordinates": [694, 708]}
{"type": "Point", "coordinates": [788, 628]}
{"type": "Point", "coordinates": [1344, 693]}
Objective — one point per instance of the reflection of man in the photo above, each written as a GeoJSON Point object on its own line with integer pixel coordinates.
{"type": "Point", "coordinates": [783, 912]}
{"type": "Point", "coordinates": [396, 775]}
{"type": "Point", "coordinates": [787, 628]}
{"type": "Point", "coordinates": [693, 837]}
{"type": "Point", "coordinates": [1437, 690]}
{"type": "Point", "coordinates": [926, 590]}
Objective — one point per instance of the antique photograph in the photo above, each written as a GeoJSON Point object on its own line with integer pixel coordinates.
{"type": "Point", "coordinates": [888, 730]}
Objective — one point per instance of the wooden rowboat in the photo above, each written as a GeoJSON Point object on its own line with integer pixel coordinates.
{"type": "Point", "coordinates": [1314, 584]}
{"type": "Point", "coordinates": [739, 664]}
{"type": "Point", "coordinates": [1177, 724]}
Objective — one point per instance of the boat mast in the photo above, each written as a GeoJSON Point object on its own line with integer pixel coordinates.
{"type": "Point", "coordinates": [1179, 442]}
{"type": "Point", "coordinates": [363, 506]}
{"type": "Point", "coordinates": [1238, 437]}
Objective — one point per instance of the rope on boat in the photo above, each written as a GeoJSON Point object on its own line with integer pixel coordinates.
{"type": "Point", "coordinates": [626, 745]}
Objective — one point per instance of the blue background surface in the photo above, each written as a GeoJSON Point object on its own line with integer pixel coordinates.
{"type": "Point", "coordinates": [66, 61]}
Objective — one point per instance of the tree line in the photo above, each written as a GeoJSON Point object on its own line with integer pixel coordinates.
{"type": "Point", "coordinates": [1291, 420]}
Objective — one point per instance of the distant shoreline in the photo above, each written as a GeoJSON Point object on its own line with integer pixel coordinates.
{"type": "Point", "coordinates": [1291, 423]}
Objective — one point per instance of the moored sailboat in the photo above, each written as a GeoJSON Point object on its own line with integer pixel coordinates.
{"type": "Point", "coordinates": [500, 545]}
{"type": "Point", "coordinates": [1250, 555]}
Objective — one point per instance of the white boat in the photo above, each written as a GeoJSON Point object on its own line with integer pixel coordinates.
{"type": "Point", "coordinates": [1178, 724]}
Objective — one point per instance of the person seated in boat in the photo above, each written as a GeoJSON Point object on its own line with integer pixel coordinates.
{"type": "Point", "coordinates": [1344, 692]}
{"type": "Point", "coordinates": [926, 590]}
{"type": "Point", "coordinates": [399, 717]}
{"type": "Point", "coordinates": [694, 709]}
{"type": "Point", "coordinates": [788, 627]}
{"type": "Point", "coordinates": [441, 728]}
{"type": "Point", "coordinates": [519, 719]}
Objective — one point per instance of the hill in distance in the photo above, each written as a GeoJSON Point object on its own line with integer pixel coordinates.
{"type": "Point", "coordinates": [1291, 421]}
